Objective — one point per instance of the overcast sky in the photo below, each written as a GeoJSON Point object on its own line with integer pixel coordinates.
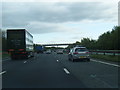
{"type": "Point", "coordinates": [61, 22]}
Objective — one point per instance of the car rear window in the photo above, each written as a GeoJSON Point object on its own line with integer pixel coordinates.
{"type": "Point", "coordinates": [80, 49]}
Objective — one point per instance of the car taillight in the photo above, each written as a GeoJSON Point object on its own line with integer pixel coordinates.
{"type": "Point", "coordinates": [21, 49]}
{"type": "Point", "coordinates": [75, 53]}
{"type": "Point", "coordinates": [11, 49]}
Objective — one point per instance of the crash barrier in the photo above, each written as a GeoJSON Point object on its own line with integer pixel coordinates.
{"type": "Point", "coordinates": [105, 52]}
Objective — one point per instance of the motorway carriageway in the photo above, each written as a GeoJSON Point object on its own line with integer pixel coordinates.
{"type": "Point", "coordinates": [55, 71]}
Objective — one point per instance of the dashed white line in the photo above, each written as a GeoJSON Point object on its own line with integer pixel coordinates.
{"type": "Point", "coordinates": [25, 61]}
{"type": "Point", "coordinates": [2, 72]}
{"type": "Point", "coordinates": [106, 63]}
{"type": "Point", "coordinates": [66, 71]}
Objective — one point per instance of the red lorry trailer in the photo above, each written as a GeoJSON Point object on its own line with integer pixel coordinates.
{"type": "Point", "coordinates": [20, 43]}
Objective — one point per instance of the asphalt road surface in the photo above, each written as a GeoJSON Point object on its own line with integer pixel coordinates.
{"type": "Point", "coordinates": [55, 71]}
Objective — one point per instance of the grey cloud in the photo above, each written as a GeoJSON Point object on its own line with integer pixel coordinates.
{"type": "Point", "coordinates": [42, 27]}
{"type": "Point", "coordinates": [75, 37]}
{"type": "Point", "coordinates": [21, 14]}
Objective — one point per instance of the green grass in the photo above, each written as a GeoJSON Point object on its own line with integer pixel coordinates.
{"type": "Point", "coordinates": [106, 57]}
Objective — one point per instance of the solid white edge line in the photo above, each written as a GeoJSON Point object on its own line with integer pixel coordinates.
{"type": "Point", "coordinates": [66, 71]}
{"type": "Point", "coordinates": [106, 63]}
{"type": "Point", "coordinates": [2, 72]}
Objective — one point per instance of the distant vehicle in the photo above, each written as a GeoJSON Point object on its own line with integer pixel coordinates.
{"type": "Point", "coordinates": [48, 52]}
{"type": "Point", "coordinates": [39, 49]}
{"type": "Point", "coordinates": [60, 51]}
{"type": "Point", "coordinates": [20, 43]}
{"type": "Point", "coordinates": [80, 53]}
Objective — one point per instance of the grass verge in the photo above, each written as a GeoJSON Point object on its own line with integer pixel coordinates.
{"type": "Point", "coordinates": [106, 57]}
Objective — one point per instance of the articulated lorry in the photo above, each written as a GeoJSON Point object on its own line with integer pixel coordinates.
{"type": "Point", "coordinates": [20, 43]}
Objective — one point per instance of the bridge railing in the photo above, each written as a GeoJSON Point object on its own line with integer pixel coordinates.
{"type": "Point", "coordinates": [56, 44]}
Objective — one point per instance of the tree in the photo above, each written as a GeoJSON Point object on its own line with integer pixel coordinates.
{"type": "Point", "coordinates": [85, 42]}
{"type": "Point", "coordinates": [110, 40]}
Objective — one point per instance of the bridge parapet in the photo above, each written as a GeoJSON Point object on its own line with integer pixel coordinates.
{"type": "Point", "coordinates": [55, 44]}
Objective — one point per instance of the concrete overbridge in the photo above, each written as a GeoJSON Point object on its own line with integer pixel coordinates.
{"type": "Point", "coordinates": [56, 44]}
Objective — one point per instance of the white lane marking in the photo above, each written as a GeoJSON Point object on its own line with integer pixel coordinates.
{"type": "Point", "coordinates": [106, 63]}
{"type": "Point", "coordinates": [25, 61]}
{"type": "Point", "coordinates": [66, 71]}
{"type": "Point", "coordinates": [7, 59]}
{"type": "Point", "coordinates": [57, 60]}
{"type": "Point", "coordinates": [2, 72]}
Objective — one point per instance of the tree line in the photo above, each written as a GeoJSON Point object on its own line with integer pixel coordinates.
{"type": "Point", "coordinates": [109, 40]}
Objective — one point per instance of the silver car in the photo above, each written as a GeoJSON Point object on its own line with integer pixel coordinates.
{"type": "Point", "coordinates": [79, 53]}
{"type": "Point", "coordinates": [59, 51]}
{"type": "Point", "coordinates": [48, 52]}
